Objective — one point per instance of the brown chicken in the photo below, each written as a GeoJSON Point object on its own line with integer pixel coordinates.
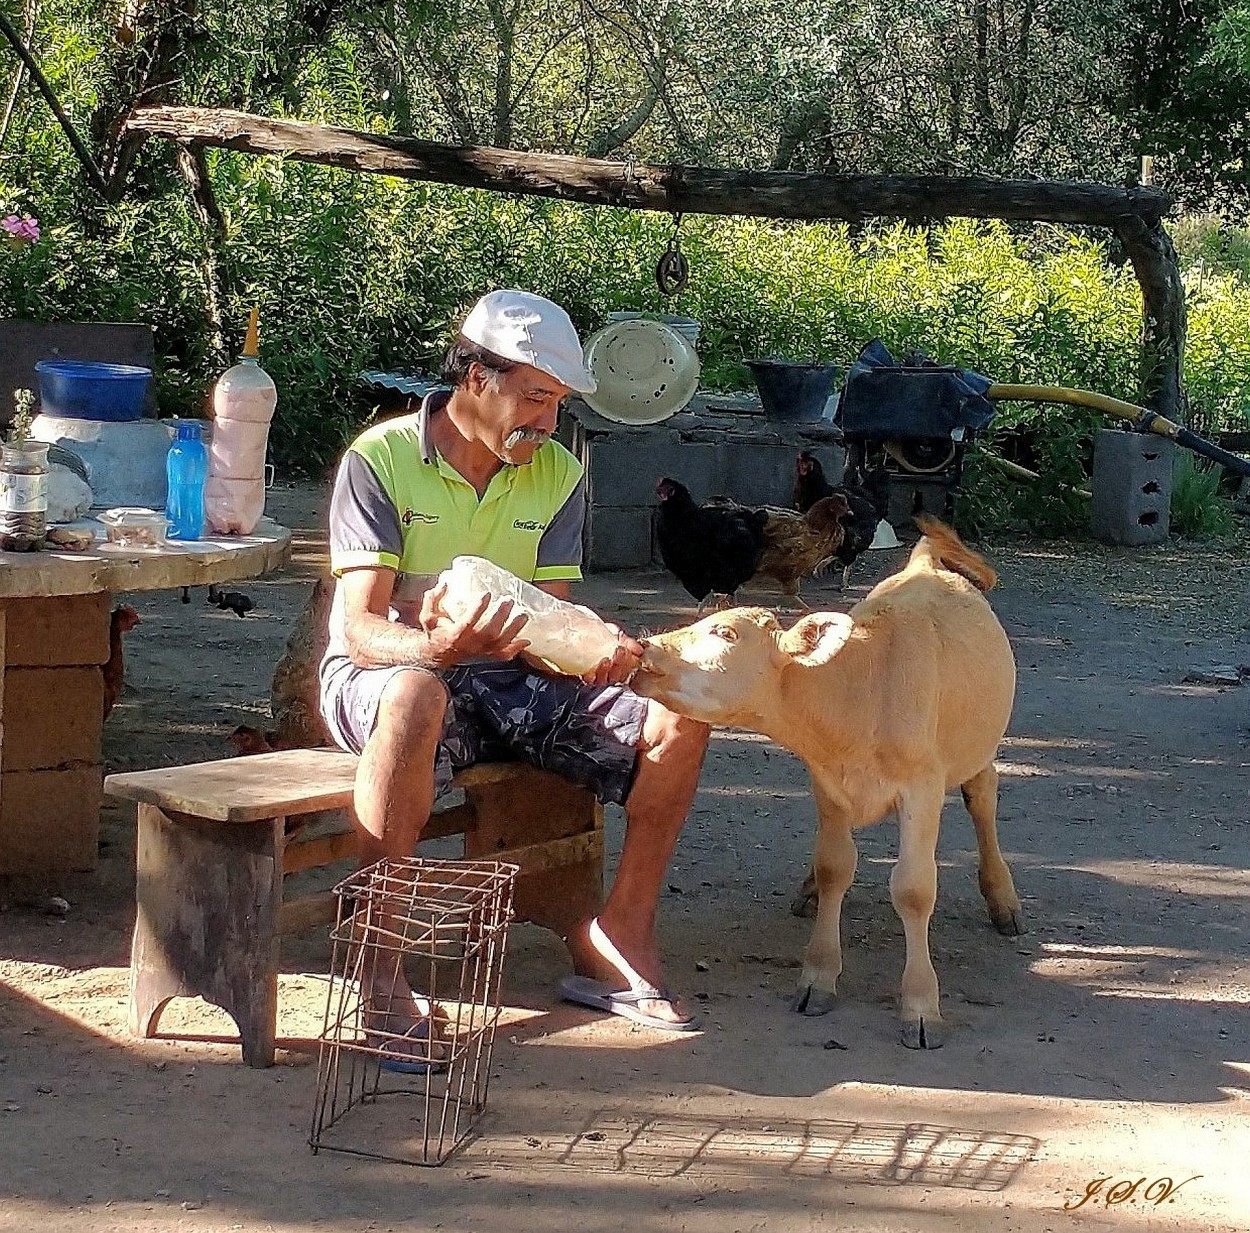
{"type": "Point", "coordinates": [123, 619]}
{"type": "Point", "coordinates": [868, 499]}
{"type": "Point", "coordinates": [796, 545]}
{"type": "Point", "coordinates": [246, 740]}
{"type": "Point", "coordinates": [293, 693]}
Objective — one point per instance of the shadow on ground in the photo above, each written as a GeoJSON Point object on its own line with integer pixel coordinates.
{"type": "Point", "coordinates": [1120, 1018]}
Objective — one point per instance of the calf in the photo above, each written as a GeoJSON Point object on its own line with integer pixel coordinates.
{"type": "Point", "coordinates": [889, 706]}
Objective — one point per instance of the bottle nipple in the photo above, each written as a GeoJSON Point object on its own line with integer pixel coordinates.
{"type": "Point", "coordinates": [251, 346]}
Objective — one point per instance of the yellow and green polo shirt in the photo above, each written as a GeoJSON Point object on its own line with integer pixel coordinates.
{"type": "Point", "coordinates": [397, 504]}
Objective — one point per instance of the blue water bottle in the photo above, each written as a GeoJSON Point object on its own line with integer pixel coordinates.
{"type": "Point", "coordinates": [186, 469]}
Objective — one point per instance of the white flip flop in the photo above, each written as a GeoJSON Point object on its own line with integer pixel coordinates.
{"type": "Point", "coordinates": [604, 995]}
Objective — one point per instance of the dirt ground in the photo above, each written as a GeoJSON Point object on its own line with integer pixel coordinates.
{"type": "Point", "coordinates": [1110, 1042]}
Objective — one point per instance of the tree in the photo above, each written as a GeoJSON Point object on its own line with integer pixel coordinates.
{"type": "Point", "coordinates": [1185, 104]}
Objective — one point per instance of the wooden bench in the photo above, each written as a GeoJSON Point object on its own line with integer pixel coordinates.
{"type": "Point", "coordinates": [217, 839]}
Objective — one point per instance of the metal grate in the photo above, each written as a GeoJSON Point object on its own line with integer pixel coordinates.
{"type": "Point", "coordinates": [443, 926]}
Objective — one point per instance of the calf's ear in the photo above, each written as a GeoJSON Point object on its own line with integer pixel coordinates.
{"type": "Point", "coordinates": [816, 639]}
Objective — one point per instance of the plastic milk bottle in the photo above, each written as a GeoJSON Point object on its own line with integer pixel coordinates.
{"type": "Point", "coordinates": [569, 638]}
{"type": "Point", "coordinates": [243, 402]}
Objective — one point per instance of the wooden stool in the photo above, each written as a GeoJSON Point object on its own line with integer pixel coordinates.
{"type": "Point", "coordinates": [217, 838]}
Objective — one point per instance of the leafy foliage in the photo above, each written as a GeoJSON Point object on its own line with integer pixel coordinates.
{"type": "Point", "coordinates": [355, 272]}
{"type": "Point", "coordinates": [1186, 105]}
{"type": "Point", "coordinates": [1198, 511]}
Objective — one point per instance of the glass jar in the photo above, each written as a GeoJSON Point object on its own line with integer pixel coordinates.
{"type": "Point", "coordinates": [23, 494]}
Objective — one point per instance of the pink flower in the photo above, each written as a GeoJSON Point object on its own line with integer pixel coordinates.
{"type": "Point", "coordinates": [20, 231]}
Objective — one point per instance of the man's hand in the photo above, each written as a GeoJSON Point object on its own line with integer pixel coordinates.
{"type": "Point", "coordinates": [624, 663]}
{"type": "Point", "coordinates": [489, 631]}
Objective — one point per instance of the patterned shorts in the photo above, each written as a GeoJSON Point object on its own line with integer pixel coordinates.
{"type": "Point", "coordinates": [500, 711]}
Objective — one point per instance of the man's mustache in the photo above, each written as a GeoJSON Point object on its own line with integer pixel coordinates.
{"type": "Point", "coordinates": [519, 435]}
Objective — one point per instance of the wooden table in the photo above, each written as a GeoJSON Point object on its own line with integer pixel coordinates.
{"type": "Point", "coordinates": [54, 641]}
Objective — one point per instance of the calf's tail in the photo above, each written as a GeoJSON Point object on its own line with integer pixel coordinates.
{"type": "Point", "coordinates": [941, 547]}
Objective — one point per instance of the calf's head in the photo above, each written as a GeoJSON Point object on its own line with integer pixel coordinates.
{"type": "Point", "coordinates": [729, 668]}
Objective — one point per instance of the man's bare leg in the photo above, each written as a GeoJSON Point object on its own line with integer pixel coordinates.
{"type": "Point", "coordinates": [393, 798]}
{"type": "Point", "coordinates": [672, 750]}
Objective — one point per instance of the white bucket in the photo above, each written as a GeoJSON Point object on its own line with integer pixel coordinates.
{"type": "Point", "coordinates": [687, 327]}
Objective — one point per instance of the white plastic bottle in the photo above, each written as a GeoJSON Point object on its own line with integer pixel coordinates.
{"type": "Point", "coordinates": [243, 403]}
{"type": "Point", "coordinates": [569, 638]}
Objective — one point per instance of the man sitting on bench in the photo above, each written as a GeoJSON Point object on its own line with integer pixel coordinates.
{"type": "Point", "coordinates": [475, 472]}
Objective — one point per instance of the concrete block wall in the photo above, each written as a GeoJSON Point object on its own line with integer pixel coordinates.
{"type": "Point", "coordinates": [913, 494]}
{"type": "Point", "coordinates": [714, 454]}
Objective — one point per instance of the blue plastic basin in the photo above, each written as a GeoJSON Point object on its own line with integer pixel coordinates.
{"type": "Point", "coordinates": [88, 390]}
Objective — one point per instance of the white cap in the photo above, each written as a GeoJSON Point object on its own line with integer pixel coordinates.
{"type": "Point", "coordinates": [517, 325]}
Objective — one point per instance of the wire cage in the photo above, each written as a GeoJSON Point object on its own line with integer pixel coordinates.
{"type": "Point", "coordinates": [412, 1070]}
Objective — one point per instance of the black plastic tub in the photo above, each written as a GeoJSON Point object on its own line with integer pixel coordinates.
{"type": "Point", "coordinates": [793, 391]}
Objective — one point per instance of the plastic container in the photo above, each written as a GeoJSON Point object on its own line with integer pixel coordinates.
{"type": "Point", "coordinates": [244, 399]}
{"type": "Point", "coordinates": [125, 462]}
{"type": "Point", "coordinates": [186, 470]}
{"type": "Point", "coordinates": [233, 506]}
{"type": "Point", "coordinates": [89, 390]}
{"type": "Point", "coordinates": [23, 494]}
{"type": "Point", "coordinates": [567, 637]}
{"type": "Point", "coordinates": [791, 391]}
{"type": "Point", "coordinates": [687, 327]}
{"type": "Point", "coordinates": [134, 526]}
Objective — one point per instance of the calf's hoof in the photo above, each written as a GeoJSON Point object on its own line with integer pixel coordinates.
{"type": "Point", "coordinates": [808, 1000]}
{"type": "Point", "coordinates": [1008, 921]}
{"type": "Point", "coordinates": [924, 1033]}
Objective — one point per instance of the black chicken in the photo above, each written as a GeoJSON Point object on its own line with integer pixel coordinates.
{"type": "Point", "coordinates": [235, 601]}
{"type": "Point", "coordinates": [867, 495]}
{"type": "Point", "coordinates": [711, 550]}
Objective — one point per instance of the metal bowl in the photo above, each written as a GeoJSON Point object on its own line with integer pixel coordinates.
{"type": "Point", "coordinates": [644, 372]}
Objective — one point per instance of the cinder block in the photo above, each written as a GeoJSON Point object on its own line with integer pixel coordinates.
{"type": "Point", "coordinates": [1132, 487]}
{"type": "Point", "coordinates": [624, 471]}
{"type": "Point", "coordinates": [758, 474]}
{"type": "Point", "coordinates": [50, 820]}
{"type": "Point", "coordinates": [909, 497]}
{"type": "Point", "coordinates": [618, 537]}
{"type": "Point", "coordinates": [45, 633]}
{"type": "Point", "coordinates": [52, 716]}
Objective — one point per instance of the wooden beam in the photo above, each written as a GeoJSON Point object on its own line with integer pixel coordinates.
{"type": "Point", "coordinates": [694, 190]}
{"type": "Point", "coordinates": [1135, 214]}
{"type": "Point", "coordinates": [91, 169]}
{"type": "Point", "coordinates": [322, 850]}
{"type": "Point", "coordinates": [307, 912]}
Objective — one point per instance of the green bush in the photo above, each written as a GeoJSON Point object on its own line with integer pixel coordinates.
{"type": "Point", "coordinates": [1213, 243]}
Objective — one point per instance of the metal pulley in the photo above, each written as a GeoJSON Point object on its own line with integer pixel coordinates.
{"type": "Point", "coordinates": [672, 271]}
